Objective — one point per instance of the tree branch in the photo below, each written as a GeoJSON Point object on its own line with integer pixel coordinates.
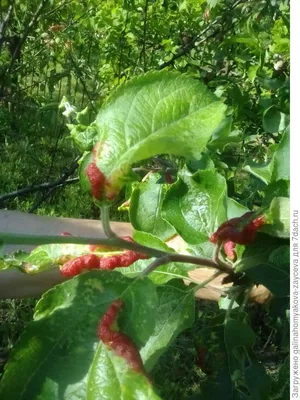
{"type": "Point", "coordinates": [4, 23]}
{"type": "Point", "coordinates": [59, 182]}
{"type": "Point", "coordinates": [26, 32]}
{"type": "Point", "coordinates": [35, 188]}
{"type": "Point", "coordinates": [162, 256]}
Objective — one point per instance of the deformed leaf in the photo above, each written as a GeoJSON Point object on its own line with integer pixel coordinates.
{"type": "Point", "coordinates": [120, 382]}
{"type": "Point", "coordinates": [57, 356]}
{"type": "Point", "coordinates": [156, 113]}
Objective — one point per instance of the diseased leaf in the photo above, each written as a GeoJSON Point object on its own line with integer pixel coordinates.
{"type": "Point", "coordinates": [120, 382]}
{"type": "Point", "coordinates": [58, 354]}
{"type": "Point", "coordinates": [156, 113]}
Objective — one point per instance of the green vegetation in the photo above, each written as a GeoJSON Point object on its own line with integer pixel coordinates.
{"type": "Point", "coordinates": [190, 100]}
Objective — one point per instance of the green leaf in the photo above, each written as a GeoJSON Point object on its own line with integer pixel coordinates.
{"type": "Point", "coordinates": [204, 162]}
{"type": "Point", "coordinates": [261, 171]}
{"type": "Point", "coordinates": [58, 355]}
{"type": "Point", "coordinates": [175, 313]}
{"type": "Point", "coordinates": [161, 274]}
{"type": "Point", "coordinates": [84, 137]}
{"type": "Point", "coordinates": [145, 208]}
{"type": "Point", "coordinates": [223, 135]}
{"type": "Point", "coordinates": [157, 113]}
{"type": "Point", "coordinates": [278, 217]}
{"type": "Point", "coordinates": [267, 263]}
{"type": "Point", "coordinates": [195, 205]}
{"type": "Point", "coordinates": [280, 188]}
{"type": "Point", "coordinates": [281, 158]}
{"type": "Point", "coordinates": [239, 339]}
{"type": "Point", "coordinates": [235, 209]}
{"type": "Point", "coordinates": [273, 120]}
{"type": "Point", "coordinates": [279, 165]}
{"type": "Point", "coordinates": [212, 3]}
{"type": "Point", "coordinates": [148, 239]}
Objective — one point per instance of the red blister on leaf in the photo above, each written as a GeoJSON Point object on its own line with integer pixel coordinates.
{"type": "Point", "coordinates": [229, 248]}
{"type": "Point", "coordinates": [238, 230]}
{"type": "Point", "coordinates": [118, 342]}
{"type": "Point", "coordinates": [97, 180]}
{"type": "Point", "coordinates": [77, 265]}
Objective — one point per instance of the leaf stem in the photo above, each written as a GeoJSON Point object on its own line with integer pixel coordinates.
{"type": "Point", "coordinates": [106, 223]}
{"type": "Point", "coordinates": [208, 280]}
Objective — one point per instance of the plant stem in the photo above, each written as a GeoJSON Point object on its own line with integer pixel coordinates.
{"type": "Point", "coordinates": [106, 223]}
{"type": "Point", "coordinates": [208, 280]}
{"type": "Point", "coordinates": [235, 294]}
{"type": "Point", "coordinates": [13, 238]}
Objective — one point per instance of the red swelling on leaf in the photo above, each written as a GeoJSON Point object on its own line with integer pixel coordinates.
{"type": "Point", "coordinates": [229, 248]}
{"type": "Point", "coordinates": [121, 260]}
{"type": "Point", "coordinates": [238, 230]}
{"type": "Point", "coordinates": [97, 180]}
{"type": "Point", "coordinates": [77, 265]}
{"type": "Point", "coordinates": [118, 342]}
{"type": "Point", "coordinates": [66, 234]}
{"type": "Point", "coordinates": [92, 261]}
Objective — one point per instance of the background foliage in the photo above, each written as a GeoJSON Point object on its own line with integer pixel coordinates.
{"type": "Point", "coordinates": [85, 49]}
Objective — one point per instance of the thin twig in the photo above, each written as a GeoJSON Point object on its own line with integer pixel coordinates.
{"type": "Point", "coordinates": [189, 46]}
{"type": "Point", "coordinates": [27, 31]}
{"type": "Point", "coordinates": [35, 188]}
{"type": "Point", "coordinates": [5, 22]}
{"type": "Point", "coordinates": [106, 223]}
{"type": "Point", "coordinates": [68, 172]}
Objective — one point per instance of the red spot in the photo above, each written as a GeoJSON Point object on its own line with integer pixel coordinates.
{"type": "Point", "coordinates": [118, 342]}
{"type": "Point", "coordinates": [96, 178]}
{"type": "Point", "coordinates": [66, 234]}
{"type": "Point", "coordinates": [77, 265]}
{"type": "Point", "coordinates": [121, 260]}
{"type": "Point", "coordinates": [238, 230]}
{"type": "Point", "coordinates": [229, 248]}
